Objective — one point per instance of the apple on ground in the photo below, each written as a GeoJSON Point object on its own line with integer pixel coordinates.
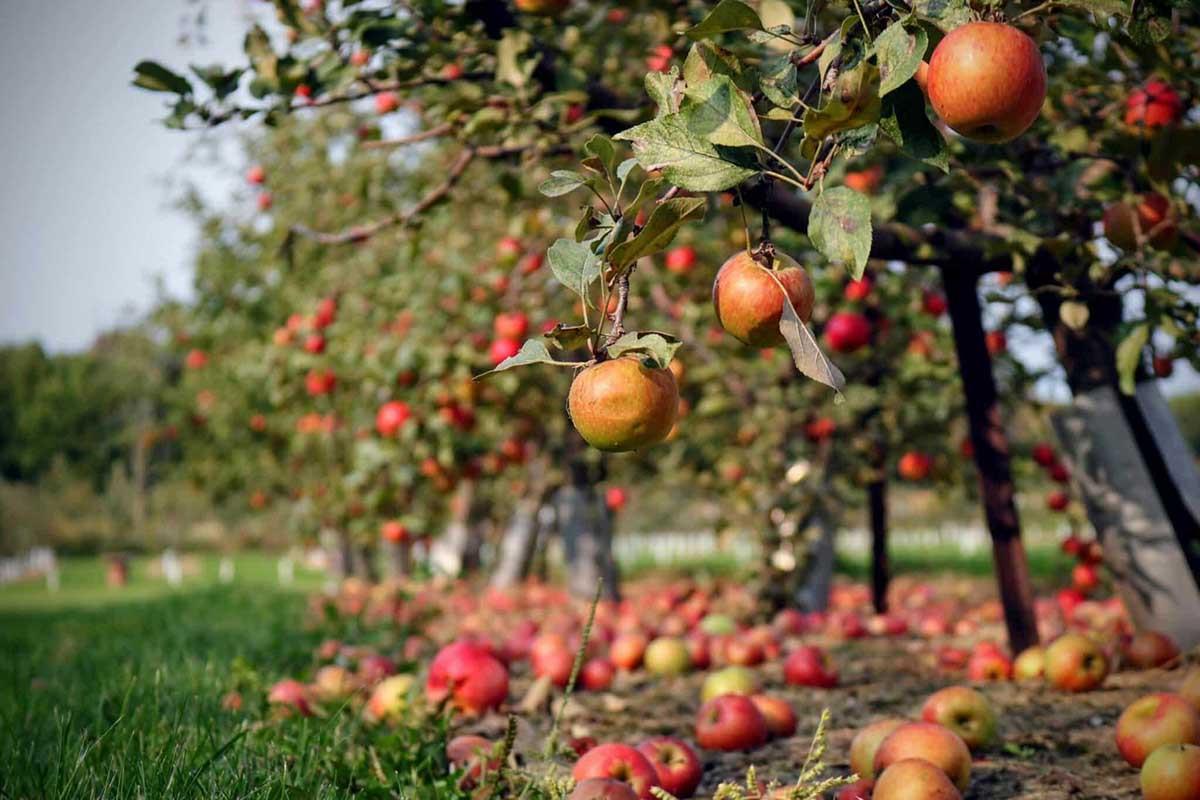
{"type": "Point", "coordinates": [469, 675]}
{"type": "Point", "coordinates": [389, 698]}
{"type": "Point", "coordinates": [934, 743]}
{"type": "Point", "coordinates": [730, 680]}
{"type": "Point", "coordinates": [965, 711]}
{"type": "Point", "coordinates": [1155, 720]}
{"type": "Point", "coordinates": [777, 713]}
{"type": "Point", "coordinates": [1149, 649]}
{"type": "Point", "coordinates": [1030, 664]}
{"type": "Point", "coordinates": [1172, 772]}
{"type": "Point", "coordinates": [678, 768]}
{"type": "Point", "coordinates": [1075, 663]}
{"type": "Point", "coordinates": [627, 651]}
{"type": "Point", "coordinates": [730, 722]}
{"type": "Point", "coordinates": [618, 762]}
{"type": "Point", "coordinates": [291, 696]}
{"type": "Point", "coordinates": [602, 789]}
{"type": "Point", "coordinates": [474, 755]}
{"type": "Point", "coordinates": [597, 675]}
{"type": "Point", "coordinates": [914, 779]}
{"type": "Point", "coordinates": [809, 666]}
{"type": "Point", "coordinates": [667, 655]}
{"type": "Point", "coordinates": [866, 742]}
{"type": "Point", "coordinates": [859, 790]}
{"type": "Point", "coordinates": [1190, 688]}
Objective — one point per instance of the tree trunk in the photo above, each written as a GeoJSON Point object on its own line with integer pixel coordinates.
{"type": "Point", "coordinates": [880, 568]}
{"type": "Point", "coordinates": [813, 592]}
{"type": "Point", "coordinates": [991, 458]}
{"type": "Point", "coordinates": [519, 542]}
{"type": "Point", "coordinates": [399, 559]}
{"type": "Point", "coordinates": [586, 527]}
{"type": "Point", "coordinates": [798, 559]}
{"type": "Point", "coordinates": [455, 551]}
{"type": "Point", "coordinates": [338, 553]}
{"type": "Point", "coordinates": [1140, 546]}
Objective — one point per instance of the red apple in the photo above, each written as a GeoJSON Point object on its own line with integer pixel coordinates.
{"type": "Point", "coordinates": [730, 722]}
{"type": "Point", "coordinates": [1057, 500]}
{"type": "Point", "coordinates": [386, 102]}
{"type": "Point", "coordinates": [292, 696]}
{"type": "Point", "coordinates": [474, 755]}
{"type": "Point", "coordinates": [914, 466]}
{"type": "Point", "coordinates": [996, 342]}
{"type": "Point", "coordinates": [502, 349]}
{"type": "Point", "coordinates": [964, 711]}
{"type": "Point", "coordinates": [748, 297]}
{"type": "Point", "coordinates": [859, 790]}
{"type": "Point", "coordinates": [1043, 454]}
{"type": "Point", "coordinates": [847, 332]}
{"type": "Point", "coordinates": [1172, 772]}
{"type": "Point", "coordinates": [256, 175]}
{"type": "Point", "coordinates": [391, 417]}
{"type": "Point", "coordinates": [986, 80]}
{"type": "Point", "coordinates": [933, 303]}
{"type": "Point", "coordinates": [618, 762]}
{"type": "Point", "coordinates": [627, 651]}
{"type": "Point", "coordinates": [1153, 721]}
{"type": "Point", "coordinates": [597, 675]}
{"type": "Point", "coordinates": [989, 666]}
{"type": "Point", "coordinates": [602, 789]}
{"type": "Point", "coordinates": [1075, 663]}
{"type": "Point", "coordinates": [676, 764]}
{"type": "Point", "coordinates": [554, 663]}
{"type": "Point", "coordinates": [809, 666]}
{"type": "Point", "coordinates": [510, 325]}
{"type": "Point", "coordinates": [1154, 105]}
{"type": "Point", "coordinates": [468, 674]}
{"type": "Point", "coordinates": [859, 290]}
{"type": "Point", "coordinates": [777, 713]}
{"type": "Point", "coordinates": [681, 260]}
{"type": "Point", "coordinates": [615, 497]}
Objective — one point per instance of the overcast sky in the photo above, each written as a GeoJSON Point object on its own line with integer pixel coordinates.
{"type": "Point", "coordinates": [85, 222]}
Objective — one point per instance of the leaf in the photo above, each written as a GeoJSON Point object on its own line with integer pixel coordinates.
{"type": "Point", "coordinates": [853, 102]}
{"type": "Point", "coordinates": [903, 120]}
{"type": "Point", "coordinates": [658, 347]}
{"type": "Point", "coordinates": [840, 228]}
{"type": "Point", "coordinates": [1102, 8]}
{"type": "Point", "coordinates": [155, 77]}
{"type": "Point", "coordinates": [661, 88]}
{"type": "Point", "coordinates": [687, 160]}
{"type": "Point", "coordinates": [602, 148]}
{"type": "Point", "coordinates": [898, 53]}
{"type": "Point", "coordinates": [574, 265]}
{"type": "Point", "coordinates": [1074, 314]}
{"type": "Point", "coordinates": [729, 15]}
{"type": "Point", "coordinates": [806, 353]}
{"type": "Point", "coordinates": [706, 60]}
{"type": "Point", "coordinates": [216, 78]}
{"type": "Point", "coordinates": [568, 337]}
{"type": "Point", "coordinates": [716, 111]}
{"type": "Point", "coordinates": [777, 76]}
{"type": "Point", "coordinates": [665, 220]}
{"type": "Point", "coordinates": [562, 182]}
{"type": "Point", "coordinates": [508, 66]}
{"type": "Point", "coordinates": [532, 352]}
{"type": "Point", "coordinates": [1129, 356]}
{"type": "Point", "coordinates": [946, 14]}
{"type": "Point", "coordinates": [776, 14]}
{"type": "Point", "coordinates": [647, 192]}
{"type": "Point", "coordinates": [261, 55]}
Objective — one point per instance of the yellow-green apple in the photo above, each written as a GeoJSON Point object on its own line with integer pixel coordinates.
{"type": "Point", "coordinates": [467, 674]}
{"type": "Point", "coordinates": [1172, 772]}
{"type": "Point", "coordinates": [731, 680]}
{"type": "Point", "coordinates": [676, 764]}
{"type": "Point", "coordinates": [934, 743]}
{"type": "Point", "coordinates": [333, 682]}
{"type": "Point", "coordinates": [1148, 649]}
{"type": "Point", "coordinates": [717, 625]}
{"type": "Point", "coordinates": [1075, 662]}
{"type": "Point", "coordinates": [1153, 721]}
{"type": "Point", "coordinates": [986, 80]}
{"type": "Point", "coordinates": [808, 665]}
{"type": "Point", "coordinates": [667, 655]}
{"type": "Point", "coordinates": [777, 713]}
{"type": "Point", "coordinates": [748, 297]}
{"type": "Point", "coordinates": [618, 762]}
{"type": "Point", "coordinates": [622, 404]}
{"type": "Point", "coordinates": [730, 722]}
{"type": "Point", "coordinates": [1030, 664]}
{"type": "Point", "coordinates": [914, 779]}
{"type": "Point", "coordinates": [965, 711]}
{"type": "Point", "coordinates": [866, 742]}
{"type": "Point", "coordinates": [389, 698]}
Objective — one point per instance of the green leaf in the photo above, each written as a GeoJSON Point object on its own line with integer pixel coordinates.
{"type": "Point", "coordinates": [777, 77]}
{"type": "Point", "coordinates": [776, 14]}
{"type": "Point", "coordinates": [216, 78]}
{"type": "Point", "coordinates": [686, 160]}
{"type": "Point", "coordinates": [509, 68]}
{"type": "Point", "coordinates": [898, 53]}
{"type": "Point", "coordinates": [806, 353]}
{"type": "Point", "coordinates": [840, 228]}
{"type": "Point", "coordinates": [155, 77]}
{"type": "Point", "coordinates": [562, 182]}
{"type": "Point", "coordinates": [574, 264]}
{"type": "Point", "coordinates": [904, 121]}
{"type": "Point", "coordinates": [706, 60]}
{"type": "Point", "coordinates": [261, 55]}
{"type": "Point", "coordinates": [664, 222]}
{"type": "Point", "coordinates": [661, 89]}
{"type": "Point", "coordinates": [647, 193]}
{"type": "Point", "coordinates": [946, 14]}
{"type": "Point", "coordinates": [853, 102]}
{"type": "Point", "coordinates": [719, 113]}
{"type": "Point", "coordinates": [568, 337]}
{"type": "Point", "coordinates": [1102, 8]}
{"type": "Point", "coordinates": [602, 148]}
{"type": "Point", "coordinates": [1129, 355]}
{"type": "Point", "coordinates": [729, 15]}
{"type": "Point", "coordinates": [534, 351]}
{"type": "Point", "coordinates": [657, 347]}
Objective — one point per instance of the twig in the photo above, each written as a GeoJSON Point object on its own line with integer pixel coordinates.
{"type": "Point", "coordinates": [618, 317]}
{"type": "Point", "coordinates": [432, 133]}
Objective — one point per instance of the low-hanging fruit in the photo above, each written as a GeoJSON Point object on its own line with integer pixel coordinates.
{"type": "Point", "coordinates": [987, 81]}
{"type": "Point", "coordinates": [748, 299]}
{"type": "Point", "coordinates": [623, 404]}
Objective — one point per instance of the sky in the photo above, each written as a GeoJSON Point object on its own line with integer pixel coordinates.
{"type": "Point", "coordinates": [86, 169]}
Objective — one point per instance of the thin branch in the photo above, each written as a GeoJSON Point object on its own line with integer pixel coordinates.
{"type": "Point", "coordinates": [403, 141]}
{"type": "Point", "coordinates": [618, 317]}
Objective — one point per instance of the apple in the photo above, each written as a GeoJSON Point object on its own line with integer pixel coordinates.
{"type": "Point", "coordinates": [333, 682]}
{"type": "Point", "coordinates": [914, 779]}
{"type": "Point", "coordinates": [934, 743]}
{"type": "Point", "coordinates": [549, 8]}
{"type": "Point", "coordinates": [1172, 772]}
{"type": "Point", "coordinates": [659, 59]}
{"type": "Point", "coordinates": [320, 382]}
{"type": "Point", "coordinates": [391, 416]}
{"type": "Point", "coordinates": [730, 722]}
{"type": "Point", "coordinates": [1043, 454]}
{"type": "Point", "coordinates": [265, 201]}
{"type": "Point", "coordinates": [1155, 720]}
{"type": "Point", "coordinates": [996, 342]}
{"type": "Point", "coordinates": [315, 344]}
{"type": "Point", "coordinates": [777, 713]}
{"type": "Point", "coordinates": [596, 675]}
{"type": "Point", "coordinates": [618, 762]}
{"type": "Point", "coordinates": [1153, 105]}
{"type": "Point", "coordinates": [502, 349]}
{"type": "Point", "coordinates": [621, 404]}
{"type": "Point", "coordinates": [1085, 578]}
{"type": "Point", "coordinates": [748, 299]}
{"type": "Point", "coordinates": [820, 429]}
{"type": "Point", "coordinates": [989, 666]}
{"type": "Point", "coordinates": [1164, 367]}
{"type": "Point", "coordinates": [1149, 649]}
{"type": "Point", "coordinates": [667, 655]}
{"type": "Point", "coordinates": [1030, 664]}
{"type": "Point", "coordinates": [847, 332]}
{"type": "Point", "coordinates": [914, 466]}
{"type": "Point", "coordinates": [964, 711]}
{"type": "Point", "coordinates": [742, 652]}
{"type": "Point", "coordinates": [386, 102]}
{"type": "Point", "coordinates": [717, 625]}
{"type": "Point", "coordinates": [986, 80]}
{"type": "Point", "coordinates": [1075, 663]}
{"type": "Point", "coordinates": [1190, 688]}
{"type": "Point", "coordinates": [474, 755]}
{"type": "Point", "coordinates": [627, 650]}
{"type": "Point", "coordinates": [389, 698]}
{"type": "Point", "coordinates": [602, 789]}
{"type": "Point", "coordinates": [291, 696]}
{"type": "Point", "coordinates": [808, 665]}
{"type": "Point", "coordinates": [681, 260]}
{"type": "Point", "coordinates": [510, 325]}
{"type": "Point", "coordinates": [374, 667]}
{"type": "Point", "coordinates": [196, 359]}
{"type": "Point", "coordinates": [698, 650]}
{"type": "Point", "coordinates": [866, 742]}
{"type": "Point", "coordinates": [554, 663]}
{"type": "Point", "coordinates": [859, 290]}
{"type": "Point", "coordinates": [615, 497]}
{"type": "Point", "coordinates": [468, 674]}
{"type": "Point", "coordinates": [676, 764]}
{"type": "Point", "coordinates": [256, 175]}
{"type": "Point", "coordinates": [859, 790]}
{"type": "Point", "coordinates": [933, 303]}
{"type": "Point", "coordinates": [731, 680]}
{"type": "Point", "coordinates": [1057, 500]}
{"type": "Point", "coordinates": [865, 181]}
{"type": "Point", "coordinates": [326, 313]}
{"type": "Point", "coordinates": [1058, 473]}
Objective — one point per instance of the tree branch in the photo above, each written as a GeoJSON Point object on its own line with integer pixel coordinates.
{"type": "Point", "coordinates": [403, 141]}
